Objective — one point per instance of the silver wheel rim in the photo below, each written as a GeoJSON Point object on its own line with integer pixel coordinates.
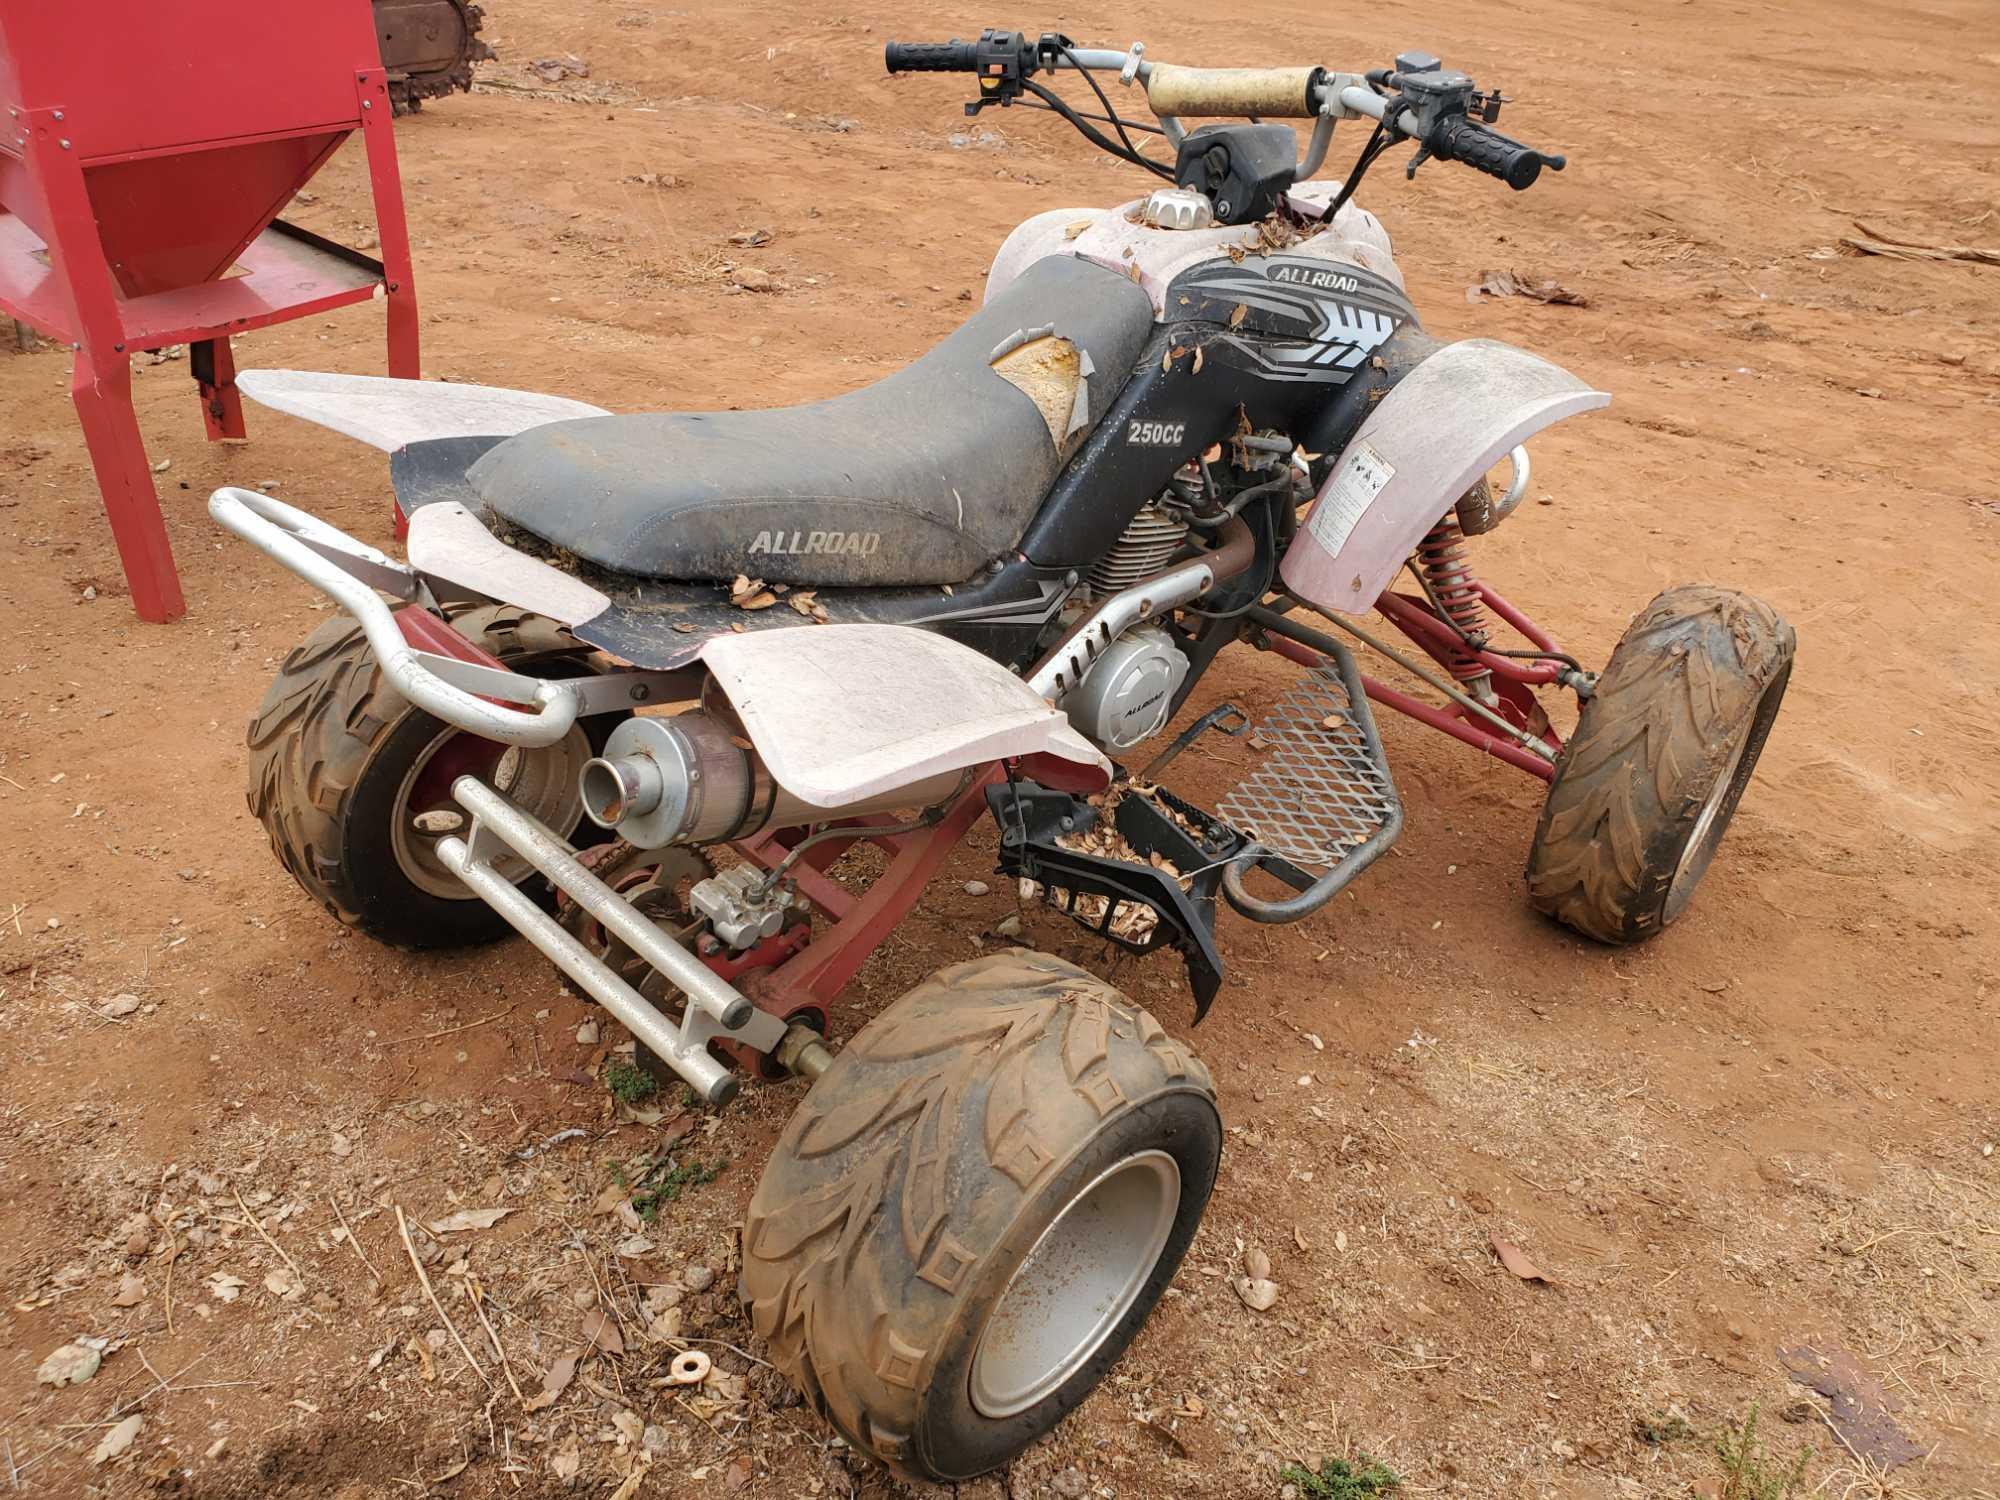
{"type": "Point", "coordinates": [1076, 1285]}
{"type": "Point", "coordinates": [543, 783]}
{"type": "Point", "coordinates": [1695, 854]}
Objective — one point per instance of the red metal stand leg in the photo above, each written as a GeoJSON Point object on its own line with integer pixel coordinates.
{"type": "Point", "coordinates": [215, 373]}
{"type": "Point", "coordinates": [385, 180]}
{"type": "Point", "coordinates": [103, 396]}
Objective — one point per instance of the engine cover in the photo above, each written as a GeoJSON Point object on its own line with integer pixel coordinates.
{"type": "Point", "coordinates": [1125, 697]}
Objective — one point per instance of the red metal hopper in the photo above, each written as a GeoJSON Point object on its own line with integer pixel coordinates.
{"type": "Point", "coordinates": [146, 154]}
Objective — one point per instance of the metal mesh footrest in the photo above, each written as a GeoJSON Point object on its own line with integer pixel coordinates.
{"type": "Point", "coordinates": [1323, 794]}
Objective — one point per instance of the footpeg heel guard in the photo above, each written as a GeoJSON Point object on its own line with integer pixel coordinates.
{"type": "Point", "coordinates": [1049, 837]}
{"type": "Point", "coordinates": [1321, 807]}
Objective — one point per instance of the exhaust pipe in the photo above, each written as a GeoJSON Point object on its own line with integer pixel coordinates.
{"type": "Point", "coordinates": [688, 780]}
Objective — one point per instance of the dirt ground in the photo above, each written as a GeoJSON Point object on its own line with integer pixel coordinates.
{"type": "Point", "coordinates": [1774, 1127]}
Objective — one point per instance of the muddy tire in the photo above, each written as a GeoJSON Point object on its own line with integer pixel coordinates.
{"type": "Point", "coordinates": [975, 1208]}
{"type": "Point", "coordinates": [1661, 756]}
{"type": "Point", "coordinates": [337, 756]}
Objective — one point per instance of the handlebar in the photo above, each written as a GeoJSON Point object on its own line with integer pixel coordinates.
{"type": "Point", "coordinates": [932, 57]}
{"type": "Point", "coordinates": [1419, 99]}
{"type": "Point", "coordinates": [1490, 152]}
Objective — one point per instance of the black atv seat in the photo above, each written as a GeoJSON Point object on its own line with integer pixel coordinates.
{"type": "Point", "coordinates": [920, 478]}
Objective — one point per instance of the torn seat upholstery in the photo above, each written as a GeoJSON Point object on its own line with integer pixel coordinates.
{"type": "Point", "coordinates": [920, 478]}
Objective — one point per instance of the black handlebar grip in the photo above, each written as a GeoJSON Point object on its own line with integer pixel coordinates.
{"type": "Point", "coordinates": [931, 57]}
{"type": "Point", "coordinates": [1492, 153]}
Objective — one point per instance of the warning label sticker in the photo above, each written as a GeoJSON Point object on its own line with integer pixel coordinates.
{"type": "Point", "coordinates": [1353, 489]}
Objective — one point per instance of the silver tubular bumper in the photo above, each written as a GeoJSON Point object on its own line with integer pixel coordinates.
{"type": "Point", "coordinates": [352, 573]}
{"type": "Point", "coordinates": [715, 1008]}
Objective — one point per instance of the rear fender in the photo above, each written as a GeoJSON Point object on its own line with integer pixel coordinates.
{"type": "Point", "coordinates": [843, 713]}
{"type": "Point", "coordinates": [1429, 440]}
{"type": "Point", "coordinates": [389, 414]}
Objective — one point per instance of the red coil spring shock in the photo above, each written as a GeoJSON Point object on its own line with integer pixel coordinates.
{"type": "Point", "coordinates": [1441, 558]}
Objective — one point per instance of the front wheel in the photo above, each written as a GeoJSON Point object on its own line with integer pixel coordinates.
{"type": "Point", "coordinates": [353, 783]}
{"type": "Point", "coordinates": [1662, 753]}
{"type": "Point", "coordinates": [975, 1208]}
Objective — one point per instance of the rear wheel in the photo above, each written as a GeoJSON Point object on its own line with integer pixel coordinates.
{"type": "Point", "coordinates": [353, 784]}
{"type": "Point", "coordinates": [975, 1209]}
{"type": "Point", "coordinates": [1661, 756]}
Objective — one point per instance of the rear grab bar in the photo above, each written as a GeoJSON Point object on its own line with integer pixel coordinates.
{"type": "Point", "coordinates": [351, 573]}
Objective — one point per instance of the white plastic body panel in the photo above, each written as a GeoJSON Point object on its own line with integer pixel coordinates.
{"type": "Point", "coordinates": [1443, 425]}
{"type": "Point", "coordinates": [841, 713]}
{"type": "Point", "coordinates": [389, 414]}
{"type": "Point", "coordinates": [448, 542]}
{"type": "Point", "coordinates": [1154, 257]}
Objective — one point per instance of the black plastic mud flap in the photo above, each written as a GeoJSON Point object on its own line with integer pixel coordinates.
{"type": "Point", "coordinates": [1033, 819]}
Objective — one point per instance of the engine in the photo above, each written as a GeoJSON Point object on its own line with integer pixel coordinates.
{"type": "Point", "coordinates": [1128, 692]}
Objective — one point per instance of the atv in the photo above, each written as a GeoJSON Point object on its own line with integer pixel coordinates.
{"type": "Point", "coordinates": [644, 679]}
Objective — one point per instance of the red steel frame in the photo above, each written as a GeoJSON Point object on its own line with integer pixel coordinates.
{"type": "Point", "coordinates": [1514, 680]}
{"type": "Point", "coordinates": [68, 291]}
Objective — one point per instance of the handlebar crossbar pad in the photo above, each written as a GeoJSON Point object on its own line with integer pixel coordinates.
{"type": "Point", "coordinates": [1271, 93]}
{"type": "Point", "coordinates": [931, 57]}
{"type": "Point", "coordinates": [1490, 152]}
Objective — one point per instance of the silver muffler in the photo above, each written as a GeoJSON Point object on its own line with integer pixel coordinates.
{"type": "Point", "coordinates": [689, 779]}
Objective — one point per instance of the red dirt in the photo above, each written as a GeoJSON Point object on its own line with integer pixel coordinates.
{"type": "Point", "coordinates": [1772, 1126]}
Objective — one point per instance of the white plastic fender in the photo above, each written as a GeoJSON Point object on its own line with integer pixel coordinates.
{"type": "Point", "coordinates": [389, 414]}
{"type": "Point", "coordinates": [846, 712]}
{"type": "Point", "coordinates": [1442, 426]}
{"type": "Point", "coordinates": [447, 541]}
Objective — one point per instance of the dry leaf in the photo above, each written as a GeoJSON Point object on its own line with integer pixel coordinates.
{"type": "Point", "coordinates": [1164, 1434]}
{"type": "Point", "coordinates": [565, 1463]}
{"type": "Point", "coordinates": [1236, 318]}
{"type": "Point", "coordinates": [1513, 284]}
{"type": "Point", "coordinates": [1191, 1406]}
{"type": "Point", "coordinates": [1299, 1239]}
{"type": "Point", "coordinates": [1197, 360]}
{"type": "Point", "coordinates": [1258, 1296]}
{"type": "Point", "coordinates": [1333, 721]}
{"type": "Point", "coordinates": [453, 1472]}
{"type": "Point", "coordinates": [802, 601]}
{"type": "Point", "coordinates": [561, 1373]}
{"type": "Point", "coordinates": [630, 1428]}
{"type": "Point", "coordinates": [738, 1474]}
{"type": "Point", "coordinates": [468, 1218]}
{"type": "Point", "coordinates": [131, 1291]}
{"type": "Point", "coordinates": [282, 1283]}
{"type": "Point", "coordinates": [602, 1330]}
{"type": "Point", "coordinates": [118, 1439]}
{"type": "Point", "coordinates": [1512, 1258]}
{"type": "Point", "coordinates": [1075, 227]}
{"type": "Point", "coordinates": [761, 599]}
{"type": "Point", "coordinates": [225, 1288]}
{"type": "Point", "coordinates": [1256, 1264]}
{"type": "Point", "coordinates": [629, 1486]}
{"type": "Point", "coordinates": [423, 1357]}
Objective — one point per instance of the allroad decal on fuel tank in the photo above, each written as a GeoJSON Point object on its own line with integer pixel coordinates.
{"type": "Point", "coordinates": [816, 543]}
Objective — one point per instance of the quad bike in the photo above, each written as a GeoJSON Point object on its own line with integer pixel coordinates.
{"type": "Point", "coordinates": [644, 679]}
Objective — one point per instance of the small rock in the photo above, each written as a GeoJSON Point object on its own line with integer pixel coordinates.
{"type": "Point", "coordinates": [72, 1364]}
{"type": "Point", "coordinates": [586, 1034]}
{"type": "Point", "coordinates": [121, 1005]}
{"type": "Point", "coordinates": [976, 887]}
{"type": "Point", "coordinates": [1288, 1492]}
{"type": "Point", "coordinates": [583, 1298]}
{"type": "Point", "coordinates": [1070, 1483]}
{"type": "Point", "coordinates": [698, 1278]}
{"type": "Point", "coordinates": [1008, 926]}
{"type": "Point", "coordinates": [753, 279]}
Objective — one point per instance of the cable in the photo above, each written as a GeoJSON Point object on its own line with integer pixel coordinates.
{"type": "Point", "coordinates": [1102, 99]}
{"type": "Point", "coordinates": [1107, 119]}
{"type": "Point", "coordinates": [1378, 142]}
{"type": "Point", "coordinates": [1092, 134]}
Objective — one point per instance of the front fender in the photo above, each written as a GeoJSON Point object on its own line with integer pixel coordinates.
{"type": "Point", "coordinates": [1429, 440]}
